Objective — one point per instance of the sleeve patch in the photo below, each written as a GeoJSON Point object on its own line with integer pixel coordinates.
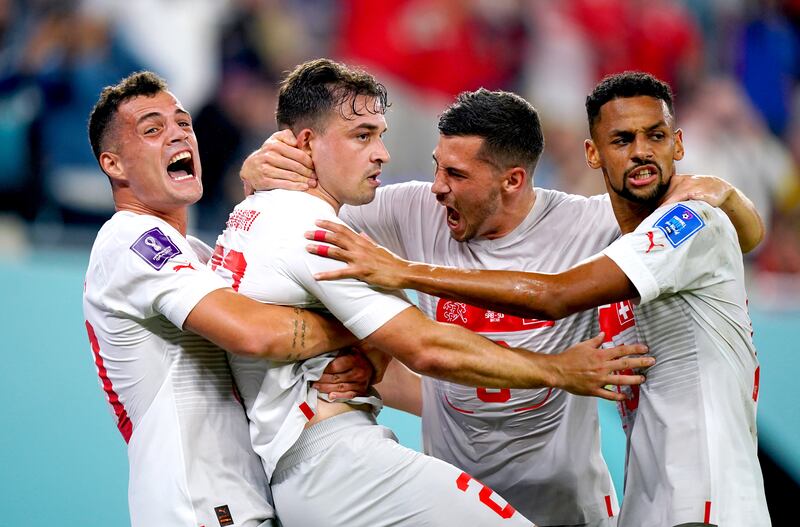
{"type": "Point", "coordinates": [679, 224]}
{"type": "Point", "coordinates": [155, 248]}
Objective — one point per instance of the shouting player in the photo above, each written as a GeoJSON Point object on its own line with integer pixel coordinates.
{"type": "Point", "coordinates": [539, 448]}
{"type": "Point", "coordinates": [692, 452]}
{"type": "Point", "coordinates": [150, 304]}
{"type": "Point", "coordinates": [329, 463]}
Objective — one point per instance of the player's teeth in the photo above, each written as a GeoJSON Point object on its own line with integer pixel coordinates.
{"type": "Point", "coordinates": [178, 157]}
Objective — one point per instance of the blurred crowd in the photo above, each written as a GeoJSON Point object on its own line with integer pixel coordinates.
{"type": "Point", "coordinates": [734, 66]}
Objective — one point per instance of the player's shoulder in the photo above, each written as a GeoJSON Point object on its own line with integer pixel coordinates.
{"type": "Point", "coordinates": [406, 187]}
{"type": "Point", "coordinates": [593, 212]}
{"type": "Point", "coordinates": [126, 228]}
{"type": "Point", "coordinates": [556, 198]}
{"type": "Point", "coordinates": [404, 194]}
{"type": "Point", "coordinates": [287, 204]}
{"type": "Point", "coordinates": [683, 220]}
{"type": "Point", "coordinates": [141, 237]}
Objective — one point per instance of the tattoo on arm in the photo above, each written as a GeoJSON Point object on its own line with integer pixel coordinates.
{"type": "Point", "coordinates": [297, 312]}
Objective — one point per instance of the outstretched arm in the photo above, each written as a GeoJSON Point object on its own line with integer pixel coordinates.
{"type": "Point", "coordinates": [456, 354]}
{"type": "Point", "coordinates": [246, 327]}
{"type": "Point", "coordinates": [594, 282]}
{"type": "Point", "coordinates": [719, 193]}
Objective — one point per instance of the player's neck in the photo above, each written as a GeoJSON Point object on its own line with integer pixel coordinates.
{"type": "Point", "coordinates": [629, 214]}
{"type": "Point", "coordinates": [324, 195]}
{"type": "Point", "coordinates": [178, 218]}
{"type": "Point", "coordinates": [515, 208]}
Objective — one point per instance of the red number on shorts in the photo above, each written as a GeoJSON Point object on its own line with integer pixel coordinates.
{"type": "Point", "coordinates": [231, 260]}
{"type": "Point", "coordinates": [494, 395]}
{"type": "Point", "coordinates": [485, 495]}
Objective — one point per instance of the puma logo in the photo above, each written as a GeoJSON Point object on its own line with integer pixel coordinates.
{"type": "Point", "coordinates": [183, 266]}
{"type": "Point", "coordinates": [653, 244]}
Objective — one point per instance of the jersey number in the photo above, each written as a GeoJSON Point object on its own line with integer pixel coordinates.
{"type": "Point", "coordinates": [485, 495]}
{"type": "Point", "coordinates": [231, 260]}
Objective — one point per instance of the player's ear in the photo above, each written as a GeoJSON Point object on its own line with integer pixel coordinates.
{"type": "Point", "coordinates": [111, 164]}
{"type": "Point", "coordinates": [678, 155]}
{"type": "Point", "coordinates": [514, 179]}
{"type": "Point", "coordinates": [592, 154]}
{"type": "Point", "coordinates": [304, 140]}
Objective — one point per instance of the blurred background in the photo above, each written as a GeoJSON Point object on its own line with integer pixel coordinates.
{"type": "Point", "coordinates": [734, 66]}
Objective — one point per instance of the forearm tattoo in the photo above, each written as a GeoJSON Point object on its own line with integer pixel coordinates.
{"type": "Point", "coordinates": [299, 329]}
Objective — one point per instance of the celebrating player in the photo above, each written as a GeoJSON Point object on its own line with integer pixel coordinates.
{"type": "Point", "coordinates": [539, 448]}
{"type": "Point", "coordinates": [692, 452]}
{"type": "Point", "coordinates": [149, 300]}
{"type": "Point", "coordinates": [329, 463]}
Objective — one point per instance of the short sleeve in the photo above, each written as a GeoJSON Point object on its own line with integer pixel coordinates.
{"type": "Point", "coordinates": [679, 247]}
{"type": "Point", "coordinates": [154, 270]}
{"type": "Point", "coordinates": [361, 308]}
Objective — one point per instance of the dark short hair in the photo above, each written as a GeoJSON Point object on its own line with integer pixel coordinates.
{"type": "Point", "coordinates": [509, 125]}
{"type": "Point", "coordinates": [624, 85]}
{"type": "Point", "coordinates": [315, 88]}
{"type": "Point", "coordinates": [142, 83]}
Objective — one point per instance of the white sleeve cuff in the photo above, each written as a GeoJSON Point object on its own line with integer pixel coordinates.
{"type": "Point", "coordinates": [628, 260]}
{"type": "Point", "coordinates": [191, 294]}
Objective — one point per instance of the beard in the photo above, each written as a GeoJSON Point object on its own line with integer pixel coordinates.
{"type": "Point", "coordinates": [644, 196]}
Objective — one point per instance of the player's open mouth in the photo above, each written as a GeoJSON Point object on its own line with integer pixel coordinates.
{"type": "Point", "coordinates": [373, 179]}
{"type": "Point", "coordinates": [453, 217]}
{"type": "Point", "coordinates": [642, 176]}
{"type": "Point", "coordinates": [181, 166]}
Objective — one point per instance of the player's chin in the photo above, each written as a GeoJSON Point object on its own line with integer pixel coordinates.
{"type": "Point", "coordinates": [458, 233]}
{"type": "Point", "coordinates": [365, 197]}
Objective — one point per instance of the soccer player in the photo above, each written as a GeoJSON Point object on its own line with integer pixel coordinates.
{"type": "Point", "coordinates": [151, 308]}
{"type": "Point", "coordinates": [539, 448]}
{"type": "Point", "coordinates": [329, 463]}
{"type": "Point", "coordinates": [692, 452]}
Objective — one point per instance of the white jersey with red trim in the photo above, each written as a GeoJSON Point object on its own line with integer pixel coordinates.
{"type": "Point", "coordinates": [262, 254]}
{"type": "Point", "coordinates": [540, 449]}
{"type": "Point", "coordinates": [693, 444]}
{"type": "Point", "coordinates": [191, 463]}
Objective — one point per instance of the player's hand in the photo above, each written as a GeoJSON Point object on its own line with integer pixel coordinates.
{"type": "Point", "coordinates": [585, 368]}
{"type": "Point", "coordinates": [278, 164]}
{"type": "Point", "coordinates": [711, 189]}
{"type": "Point", "coordinates": [368, 261]}
{"type": "Point", "coordinates": [348, 375]}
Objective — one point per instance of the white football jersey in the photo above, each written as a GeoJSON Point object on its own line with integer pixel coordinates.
{"type": "Point", "coordinates": [540, 449]}
{"type": "Point", "coordinates": [692, 431]}
{"type": "Point", "coordinates": [262, 254]}
{"type": "Point", "coordinates": [171, 391]}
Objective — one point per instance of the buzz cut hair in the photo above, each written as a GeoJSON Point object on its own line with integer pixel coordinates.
{"type": "Point", "coordinates": [625, 85]}
{"type": "Point", "coordinates": [101, 118]}
{"type": "Point", "coordinates": [508, 124]}
{"type": "Point", "coordinates": [313, 90]}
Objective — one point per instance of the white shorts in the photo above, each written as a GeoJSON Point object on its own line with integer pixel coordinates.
{"type": "Point", "coordinates": [348, 471]}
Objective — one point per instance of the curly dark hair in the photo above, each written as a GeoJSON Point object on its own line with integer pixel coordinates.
{"type": "Point", "coordinates": [623, 85]}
